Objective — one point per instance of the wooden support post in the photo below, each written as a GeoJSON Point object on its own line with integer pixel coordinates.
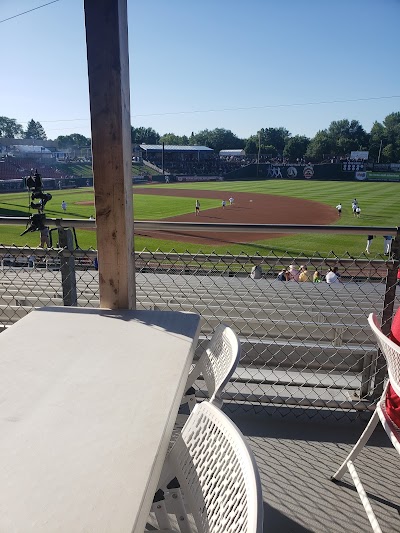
{"type": "Point", "coordinates": [68, 275]}
{"type": "Point", "coordinates": [108, 69]}
{"type": "Point", "coordinates": [387, 315]}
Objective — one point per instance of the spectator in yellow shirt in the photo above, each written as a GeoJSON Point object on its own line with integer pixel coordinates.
{"type": "Point", "coordinates": [304, 274]}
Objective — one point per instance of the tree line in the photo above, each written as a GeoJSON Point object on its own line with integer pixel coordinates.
{"type": "Point", "coordinates": [339, 139]}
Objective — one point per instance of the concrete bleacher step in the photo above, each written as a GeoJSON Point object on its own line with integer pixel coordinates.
{"type": "Point", "coordinates": [218, 288]}
{"type": "Point", "coordinates": [251, 305]}
{"type": "Point", "coordinates": [289, 395]}
{"type": "Point", "coordinates": [256, 307]}
{"type": "Point", "coordinates": [304, 378]}
{"type": "Point", "coordinates": [261, 302]}
{"type": "Point", "coordinates": [265, 384]}
{"type": "Point", "coordinates": [289, 354]}
{"type": "Point", "coordinates": [291, 313]}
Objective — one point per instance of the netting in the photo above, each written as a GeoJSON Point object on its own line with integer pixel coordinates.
{"type": "Point", "coordinates": [303, 343]}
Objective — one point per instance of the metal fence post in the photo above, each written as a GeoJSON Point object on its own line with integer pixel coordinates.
{"type": "Point", "coordinates": [387, 314]}
{"type": "Point", "coordinates": [65, 240]}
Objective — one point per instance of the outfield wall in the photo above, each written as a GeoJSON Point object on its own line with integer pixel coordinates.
{"type": "Point", "coordinates": [346, 171]}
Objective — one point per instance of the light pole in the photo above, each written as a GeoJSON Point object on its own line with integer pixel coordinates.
{"type": "Point", "coordinates": [380, 151]}
{"type": "Point", "coordinates": [259, 150]}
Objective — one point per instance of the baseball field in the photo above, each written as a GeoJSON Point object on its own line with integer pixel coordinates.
{"type": "Point", "coordinates": [269, 202]}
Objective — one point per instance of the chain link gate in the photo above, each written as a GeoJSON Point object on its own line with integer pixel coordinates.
{"type": "Point", "coordinates": [304, 344]}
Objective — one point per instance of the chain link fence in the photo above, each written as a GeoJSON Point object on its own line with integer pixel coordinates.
{"type": "Point", "coordinates": [304, 344]}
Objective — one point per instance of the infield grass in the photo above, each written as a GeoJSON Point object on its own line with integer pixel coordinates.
{"type": "Point", "coordinates": [379, 202]}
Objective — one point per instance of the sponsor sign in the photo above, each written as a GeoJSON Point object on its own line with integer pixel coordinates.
{"type": "Point", "coordinates": [308, 172]}
{"type": "Point", "coordinates": [291, 172]}
{"type": "Point", "coordinates": [273, 171]}
{"type": "Point", "coordinates": [349, 166]}
{"type": "Point", "coordinates": [360, 176]}
{"type": "Point", "coordinates": [383, 176]}
{"type": "Point", "coordinates": [359, 155]}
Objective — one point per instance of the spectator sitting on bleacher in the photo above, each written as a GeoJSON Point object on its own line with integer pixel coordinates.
{"type": "Point", "coordinates": [256, 272]}
{"type": "Point", "coordinates": [304, 274]}
{"type": "Point", "coordinates": [283, 275]}
{"type": "Point", "coordinates": [392, 402]}
{"type": "Point", "coordinates": [333, 276]}
{"type": "Point", "coordinates": [45, 237]}
{"type": "Point", "coordinates": [317, 277]}
{"type": "Point", "coordinates": [293, 273]}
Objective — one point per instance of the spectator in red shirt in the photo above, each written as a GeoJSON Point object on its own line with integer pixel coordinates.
{"type": "Point", "coordinates": [392, 400]}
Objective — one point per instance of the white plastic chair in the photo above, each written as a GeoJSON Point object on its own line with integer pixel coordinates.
{"type": "Point", "coordinates": [216, 365]}
{"type": "Point", "coordinates": [391, 351]}
{"type": "Point", "coordinates": [215, 478]}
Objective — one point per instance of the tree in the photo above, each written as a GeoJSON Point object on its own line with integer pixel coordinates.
{"type": "Point", "coordinates": [10, 128]}
{"type": "Point", "coordinates": [251, 146]}
{"type": "Point", "coordinates": [376, 137]}
{"type": "Point", "coordinates": [217, 139]}
{"type": "Point", "coordinates": [392, 126]}
{"type": "Point", "coordinates": [390, 153]}
{"type": "Point", "coordinates": [75, 140]}
{"type": "Point", "coordinates": [144, 136]}
{"type": "Point", "coordinates": [276, 137]}
{"type": "Point", "coordinates": [269, 151]}
{"type": "Point", "coordinates": [35, 130]}
{"type": "Point", "coordinates": [347, 136]}
{"type": "Point", "coordinates": [172, 139]}
{"type": "Point", "coordinates": [296, 147]}
{"type": "Point", "coordinates": [387, 136]}
{"type": "Point", "coordinates": [320, 147]}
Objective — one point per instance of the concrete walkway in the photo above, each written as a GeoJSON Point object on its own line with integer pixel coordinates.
{"type": "Point", "coordinates": [297, 452]}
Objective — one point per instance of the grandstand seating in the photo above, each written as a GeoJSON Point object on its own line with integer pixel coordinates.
{"type": "Point", "coordinates": [292, 334]}
{"type": "Point", "coordinates": [9, 170]}
{"type": "Point", "coordinates": [305, 312]}
{"type": "Point", "coordinates": [17, 168]}
{"type": "Point", "coordinates": [210, 166]}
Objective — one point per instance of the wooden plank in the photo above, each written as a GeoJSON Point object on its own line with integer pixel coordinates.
{"type": "Point", "coordinates": [108, 69]}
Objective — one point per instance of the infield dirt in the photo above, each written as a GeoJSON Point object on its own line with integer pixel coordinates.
{"type": "Point", "coordinates": [248, 208]}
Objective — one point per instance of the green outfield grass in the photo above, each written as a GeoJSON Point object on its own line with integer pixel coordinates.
{"type": "Point", "coordinates": [379, 202]}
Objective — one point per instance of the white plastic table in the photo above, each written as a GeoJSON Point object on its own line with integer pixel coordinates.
{"type": "Point", "coordinates": [88, 399]}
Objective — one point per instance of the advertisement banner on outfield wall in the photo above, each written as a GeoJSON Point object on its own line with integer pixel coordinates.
{"type": "Point", "coordinates": [383, 176]}
{"type": "Point", "coordinates": [361, 176]}
{"type": "Point", "coordinates": [264, 171]}
{"type": "Point", "coordinates": [284, 171]}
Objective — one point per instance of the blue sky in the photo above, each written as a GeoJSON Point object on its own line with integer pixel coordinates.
{"type": "Point", "coordinates": [190, 61]}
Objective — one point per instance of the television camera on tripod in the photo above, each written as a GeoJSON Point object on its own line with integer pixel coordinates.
{"type": "Point", "coordinates": [39, 200]}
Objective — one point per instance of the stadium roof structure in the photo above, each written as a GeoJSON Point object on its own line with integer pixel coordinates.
{"type": "Point", "coordinates": [29, 149]}
{"type": "Point", "coordinates": [234, 152]}
{"type": "Point", "coordinates": [174, 148]}
{"type": "Point", "coordinates": [9, 141]}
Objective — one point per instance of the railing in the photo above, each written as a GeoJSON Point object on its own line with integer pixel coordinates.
{"type": "Point", "coordinates": [304, 344]}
